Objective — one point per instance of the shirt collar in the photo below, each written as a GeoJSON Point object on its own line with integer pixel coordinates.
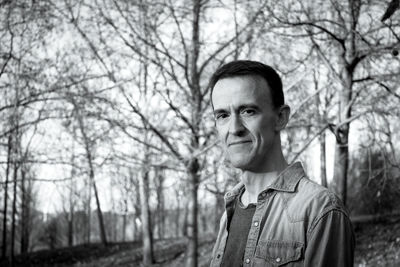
{"type": "Point", "coordinates": [235, 191]}
{"type": "Point", "coordinates": [286, 181]}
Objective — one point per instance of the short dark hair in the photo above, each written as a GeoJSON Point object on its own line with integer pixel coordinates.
{"type": "Point", "coordinates": [248, 67]}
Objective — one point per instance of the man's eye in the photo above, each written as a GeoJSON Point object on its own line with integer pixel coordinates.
{"type": "Point", "coordinates": [248, 111]}
{"type": "Point", "coordinates": [221, 116]}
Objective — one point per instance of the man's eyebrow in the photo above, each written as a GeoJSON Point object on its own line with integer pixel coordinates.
{"type": "Point", "coordinates": [241, 107]}
{"type": "Point", "coordinates": [253, 106]}
{"type": "Point", "coordinates": [220, 110]}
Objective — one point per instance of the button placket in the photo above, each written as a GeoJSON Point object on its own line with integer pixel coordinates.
{"type": "Point", "coordinates": [255, 231]}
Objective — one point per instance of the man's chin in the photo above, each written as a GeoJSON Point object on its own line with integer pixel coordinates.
{"type": "Point", "coordinates": [240, 163]}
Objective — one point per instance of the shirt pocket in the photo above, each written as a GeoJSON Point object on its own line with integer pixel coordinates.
{"type": "Point", "coordinates": [278, 253]}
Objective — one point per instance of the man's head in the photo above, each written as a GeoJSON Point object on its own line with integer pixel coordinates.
{"type": "Point", "coordinates": [251, 68]}
{"type": "Point", "coordinates": [249, 110]}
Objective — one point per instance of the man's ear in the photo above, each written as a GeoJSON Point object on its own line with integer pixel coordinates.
{"type": "Point", "coordinates": [282, 119]}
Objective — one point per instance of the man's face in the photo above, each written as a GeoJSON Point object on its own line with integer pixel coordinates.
{"type": "Point", "coordinates": [245, 120]}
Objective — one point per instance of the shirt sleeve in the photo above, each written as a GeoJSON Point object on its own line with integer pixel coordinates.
{"type": "Point", "coordinates": [331, 241]}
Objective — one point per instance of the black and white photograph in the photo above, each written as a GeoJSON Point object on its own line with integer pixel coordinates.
{"type": "Point", "coordinates": [196, 133]}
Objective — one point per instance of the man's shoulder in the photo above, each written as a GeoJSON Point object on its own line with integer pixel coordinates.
{"type": "Point", "coordinates": [312, 200]}
{"type": "Point", "coordinates": [317, 193]}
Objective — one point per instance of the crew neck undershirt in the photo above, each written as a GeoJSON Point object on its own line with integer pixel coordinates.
{"type": "Point", "coordinates": [237, 233]}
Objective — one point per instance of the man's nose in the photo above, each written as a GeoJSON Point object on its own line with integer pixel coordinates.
{"type": "Point", "coordinates": [236, 126]}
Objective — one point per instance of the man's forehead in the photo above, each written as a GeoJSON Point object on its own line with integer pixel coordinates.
{"type": "Point", "coordinates": [255, 78]}
{"type": "Point", "coordinates": [240, 88]}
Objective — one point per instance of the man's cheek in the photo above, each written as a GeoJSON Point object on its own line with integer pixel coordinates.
{"type": "Point", "coordinates": [221, 137]}
{"type": "Point", "coordinates": [222, 134]}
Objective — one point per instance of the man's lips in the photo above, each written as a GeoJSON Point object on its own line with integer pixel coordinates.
{"type": "Point", "coordinates": [239, 142]}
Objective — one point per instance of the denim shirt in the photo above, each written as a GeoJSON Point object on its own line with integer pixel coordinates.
{"type": "Point", "coordinates": [305, 225]}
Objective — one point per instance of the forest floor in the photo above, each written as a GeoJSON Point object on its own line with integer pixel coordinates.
{"type": "Point", "coordinates": [377, 245]}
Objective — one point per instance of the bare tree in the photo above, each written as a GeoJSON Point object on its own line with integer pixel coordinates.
{"type": "Point", "coordinates": [185, 71]}
{"type": "Point", "coordinates": [148, 257]}
{"type": "Point", "coordinates": [89, 156]}
{"type": "Point", "coordinates": [347, 45]}
{"type": "Point", "coordinates": [9, 151]}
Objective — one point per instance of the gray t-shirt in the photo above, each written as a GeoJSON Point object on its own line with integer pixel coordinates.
{"type": "Point", "coordinates": [239, 228]}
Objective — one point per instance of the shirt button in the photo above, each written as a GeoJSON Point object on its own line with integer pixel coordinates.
{"type": "Point", "coordinates": [278, 259]}
{"type": "Point", "coordinates": [255, 224]}
{"type": "Point", "coordinates": [247, 260]}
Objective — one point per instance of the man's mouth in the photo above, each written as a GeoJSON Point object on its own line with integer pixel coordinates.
{"type": "Point", "coordinates": [239, 142]}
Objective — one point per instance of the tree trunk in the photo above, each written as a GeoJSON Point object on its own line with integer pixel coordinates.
{"type": "Point", "coordinates": [71, 207]}
{"type": "Point", "coordinates": [146, 223]}
{"type": "Point", "coordinates": [28, 217]}
{"type": "Point", "coordinates": [137, 208]}
{"type": "Point", "coordinates": [193, 165]}
{"type": "Point", "coordinates": [115, 227]}
{"type": "Point", "coordinates": [14, 205]}
{"type": "Point", "coordinates": [15, 155]}
{"type": "Point", "coordinates": [71, 210]}
{"type": "Point", "coordinates": [348, 61]}
{"type": "Point", "coordinates": [4, 243]}
{"type": "Point", "coordinates": [89, 213]}
{"type": "Point", "coordinates": [71, 193]}
{"type": "Point", "coordinates": [71, 227]}
{"type": "Point", "coordinates": [135, 229]}
{"type": "Point", "coordinates": [177, 217]}
{"type": "Point", "coordinates": [160, 203]}
{"type": "Point", "coordinates": [322, 142]}
{"type": "Point", "coordinates": [192, 223]}
{"type": "Point", "coordinates": [185, 220]}
{"type": "Point", "coordinates": [322, 146]}
{"type": "Point", "coordinates": [342, 133]}
{"type": "Point", "coordinates": [124, 225]}
{"type": "Point", "coordinates": [99, 213]}
{"type": "Point", "coordinates": [341, 165]}
{"type": "Point", "coordinates": [91, 173]}
{"type": "Point", "coordinates": [24, 212]}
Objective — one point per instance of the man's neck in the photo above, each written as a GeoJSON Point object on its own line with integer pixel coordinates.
{"type": "Point", "coordinates": [255, 183]}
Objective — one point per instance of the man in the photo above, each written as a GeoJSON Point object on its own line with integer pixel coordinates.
{"type": "Point", "coordinates": [276, 216]}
